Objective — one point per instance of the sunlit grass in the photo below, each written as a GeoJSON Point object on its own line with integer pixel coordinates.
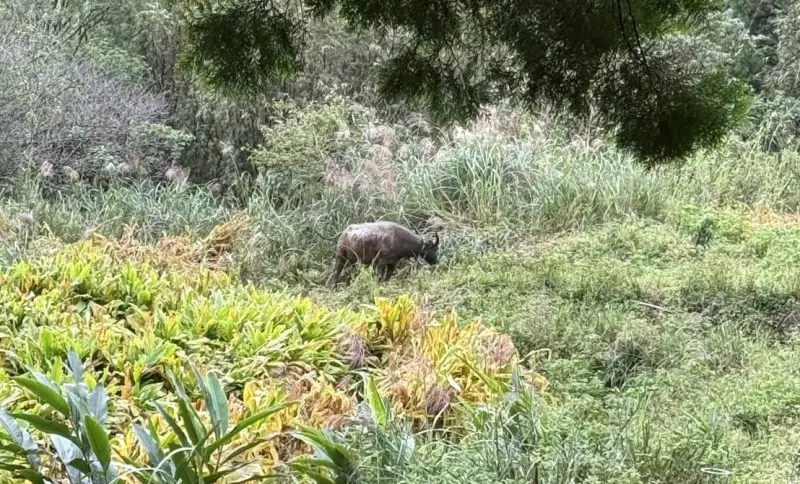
{"type": "Point", "coordinates": [670, 360]}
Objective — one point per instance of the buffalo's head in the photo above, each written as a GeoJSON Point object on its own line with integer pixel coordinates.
{"type": "Point", "coordinates": [430, 249]}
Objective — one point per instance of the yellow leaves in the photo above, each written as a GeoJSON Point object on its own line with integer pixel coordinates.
{"type": "Point", "coordinates": [127, 386]}
{"type": "Point", "coordinates": [324, 406]}
{"type": "Point", "coordinates": [407, 387]}
{"type": "Point", "coordinates": [538, 381]}
{"type": "Point", "coordinates": [316, 402]}
{"type": "Point", "coordinates": [127, 309]}
{"type": "Point", "coordinates": [394, 318]}
{"type": "Point", "coordinates": [126, 445]}
{"type": "Point", "coordinates": [437, 341]}
{"type": "Point", "coordinates": [260, 394]}
{"type": "Point", "coordinates": [437, 362]}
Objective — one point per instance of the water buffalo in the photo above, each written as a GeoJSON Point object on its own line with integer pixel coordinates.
{"type": "Point", "coordinates": [382, 245]}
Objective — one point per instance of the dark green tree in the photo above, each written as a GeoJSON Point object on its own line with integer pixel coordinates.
{"type": "Point", "coordinates": [456, 55]}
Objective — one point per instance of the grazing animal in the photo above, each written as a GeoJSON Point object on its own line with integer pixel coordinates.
{"type": "Point", "coordinates": [382, 245]}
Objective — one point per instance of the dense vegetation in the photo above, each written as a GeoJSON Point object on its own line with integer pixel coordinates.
{"type": "Point", "coordinates": [593, 318]}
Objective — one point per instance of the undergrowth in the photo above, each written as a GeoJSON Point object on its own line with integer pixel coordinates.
{"type": "Point", "coordinates": [660, 306]}
{"type": "Point", "coordinates": [137, 313]}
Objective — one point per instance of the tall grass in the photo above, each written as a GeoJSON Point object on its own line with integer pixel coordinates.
{"type": "Point", "coordinates": [533, 188]}
{"type": "Point", "coordinates": [503, 179]}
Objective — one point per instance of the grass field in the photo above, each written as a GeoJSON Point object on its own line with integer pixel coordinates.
{"type": "Point", "coordinates": [660, 306]}
{"type": "Point", "coordinates": [668, 361]}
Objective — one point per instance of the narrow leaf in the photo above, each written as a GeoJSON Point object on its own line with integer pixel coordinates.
{"type": "Point", "coordinates": [42, 378]}
{"type": "Point", "coordinates": [177, 386]}
{"type": "Point", "coordinates": [12, 448]}
{"type": "Point", "coordinates": [210, 406]}
{"type": "Point", "coordinates": [31, 475]}
{"type": "Point", "coordinates": [197, 376]}
{"type": "Point", "coordinates": [78, 398]}
{"type": "Point", "coordinates": [176, 429]}
{"type": "Point", "coordinates": [315, 476]}
{"type": "Point", "coordinates": [242, 449]}
{"type": "Point", "coordinates": [98, 404]}
{"type": "Point", "coordinates": [181, 465]}
{"type": "Point", "coordinates": [78, 470]}
{"type": "Point", "coordinates": [152, 449]}
{"type": "Point", "coordinates": [81, 465]}
{"type": "Point", "coordinates": [153, 432]}
{"type": "Point", "coordinates": [44, 425]}
{"type": "Point", "coordinates": [333, 450]}
{"type": "Point", "coordinates": [259, 478]}
{"type": "Point", "coordinates": [376, 403]}
{"type": "Point", "coordinates": [494, 385]}
{"type": "Point", "coordinates": [191, 422]}
{"type": "Point", "coordinates": [219, 403]}
{"type": "Point", "coordinates": [75, 366]}
{"type": "Point", "coordinates": [163, 466]}
{"type": "Point", "coordinates": [217, 476]}
{"type": "Point", "coordinates": [144, 476]}
{"type": "Point", "coordinates": [307, 461]}
{"type": "Point", "coordinates": [45, 394]}
{"type": "Point", "coordinates": [244, 424]}
{"type": "Point", "coordinates": [98, 440]}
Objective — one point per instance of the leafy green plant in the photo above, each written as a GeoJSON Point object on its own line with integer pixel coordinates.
{"type": "Point", "coordinates": [202, 454]}
{"type": "Point", "coordinates": [80, 451]}
{"type": "Point", "coordinates": [332, 456]}
{"type": "Point", "coordinates": [380, 408]}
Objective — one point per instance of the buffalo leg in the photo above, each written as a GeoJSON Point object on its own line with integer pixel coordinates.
{"type": "Point", "coordinates": [388, 271]}
{"type": "Point", "coordinates": [337, 270]}
{"type": "Point", "coordinates": [378, 268]}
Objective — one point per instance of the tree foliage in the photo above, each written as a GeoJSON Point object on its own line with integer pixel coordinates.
{"type": "Point", "coordinates": [454, 56]}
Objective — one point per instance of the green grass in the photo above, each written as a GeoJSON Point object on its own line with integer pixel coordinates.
{"type": "Point", "coordinates": [659, 310]}
{"type": "Point", "coordinates": [668, 362]}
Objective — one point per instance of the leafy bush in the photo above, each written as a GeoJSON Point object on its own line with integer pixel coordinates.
{"type": "Point", "coordinates": [78, 450]}
{"type": "Point", "coordinates": [201, 454]}
{"type": "Point", "coordinates": [137, 313]}
{"type": "Point", "coordinates": [82, 449]}
{"type": "Point", "coordinates": [339, 145]}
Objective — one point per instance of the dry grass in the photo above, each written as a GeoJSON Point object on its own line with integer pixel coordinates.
{"type": "Point", "coordinates": [764, 215]}
{"type": "Point", "coordinates": [215, 251]}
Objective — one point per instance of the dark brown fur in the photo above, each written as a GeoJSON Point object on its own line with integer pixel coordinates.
{"type": "Point", "coordinates": [382, 245]}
